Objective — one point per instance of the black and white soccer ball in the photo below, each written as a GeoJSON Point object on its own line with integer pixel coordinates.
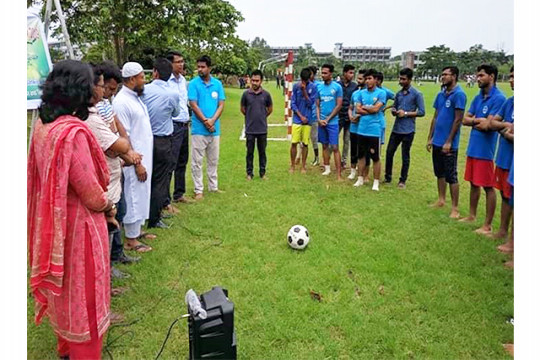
{"type": "Point", "coordinates": [298, 237]}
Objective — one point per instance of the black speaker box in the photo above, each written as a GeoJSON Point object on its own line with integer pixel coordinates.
{"type": "Point", "coordinates": [213, 337]}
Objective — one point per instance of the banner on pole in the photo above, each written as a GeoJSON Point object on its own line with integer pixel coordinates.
{"type": "Point", "coordinates": [38, 60]}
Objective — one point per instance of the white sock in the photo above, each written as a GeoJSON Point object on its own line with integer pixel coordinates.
{"type": "Point", "coordinates": [326, 170]}
{"type": "Point", "coordinates": [375, 185]}
{"type": "Point", "coordinates": [353, 174]}
{"type": "Point", "coordinates": [359, 182]}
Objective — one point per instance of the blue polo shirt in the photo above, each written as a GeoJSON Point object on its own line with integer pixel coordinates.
{"type": "Point", "coordinates": [505, 151]}
{"type": "Point", "coordinates": [355, 98]}
{"type": "Point", "coordinates": [482, 143]}
{"type": "Point", "coordinates": [328, 95]}
{"type": "Point", "coordinates": [163, 104]}
{"type": "Point", "coordinates": [370, 125]}
{"type": "Point", "coordinates": [207, 95]}
{"type": "Point", "coordinates": [409, 100]}
{"type": "Point", "coordinates": [299, 102]}
{"type": "Point", "coordinates": [446, 104]}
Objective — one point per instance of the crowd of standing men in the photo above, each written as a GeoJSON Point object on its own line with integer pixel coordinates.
{"type": "Point", "coordinates": [322, 109]}
{"type": "Point", "coordinates": [135, 141]}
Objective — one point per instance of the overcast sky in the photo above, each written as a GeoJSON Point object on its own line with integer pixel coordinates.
{"type": "Point", "coordinates": [400, 24]}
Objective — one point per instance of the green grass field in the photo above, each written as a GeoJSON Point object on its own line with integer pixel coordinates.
{"type": "Point", "coordinates": [398, 279]}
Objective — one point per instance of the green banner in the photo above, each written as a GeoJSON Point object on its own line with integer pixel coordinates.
{"type": "Point", "coordinates": [38, 61]}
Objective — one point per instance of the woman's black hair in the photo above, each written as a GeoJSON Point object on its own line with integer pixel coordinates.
{"type": "Point", "coordinates": [67, 91]}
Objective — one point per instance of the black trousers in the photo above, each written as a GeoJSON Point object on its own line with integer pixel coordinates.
{"type": "Point", "coordinates": [179, 160]}
{"type": "Point", "coordinates": [161, 166]}
{"type": "Point", "coordinates": [260, 139]}
{"type": "Point", "coordinates": [406, 141]}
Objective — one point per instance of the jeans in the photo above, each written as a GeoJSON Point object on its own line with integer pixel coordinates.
{"type": "Point", "coordinates": [261, 149]}
{"type": "Point", "coordinates": [180, 156]}
{"type": "Point", "coordinates": [117, 246]}
{"type": "Point", "coordinates": [406, 141]}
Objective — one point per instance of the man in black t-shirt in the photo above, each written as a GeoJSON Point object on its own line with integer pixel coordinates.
{"type": "Point", "coordinates": [256, 105]}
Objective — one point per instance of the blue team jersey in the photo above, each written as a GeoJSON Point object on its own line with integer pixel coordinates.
{"type": "Point", "coordinates": [355, 98]}
{"type": "Point", "coordinates": [370, 125]}
{"type": "Point", "coordinates": [482, 143]}
{"type": "Point", "coordinates": [328, 95]}
{"type": "Point", "coordinates": [446, 104]}
{"type": "Point", "coordinates": [207, 95]}
{"type": "Point", "coordinates": [505, 151]}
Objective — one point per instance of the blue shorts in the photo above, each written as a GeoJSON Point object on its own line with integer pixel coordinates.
{"type": "Point", "coordinates": [329, 134]}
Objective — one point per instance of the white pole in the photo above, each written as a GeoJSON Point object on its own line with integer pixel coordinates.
{"type": "Point", "coordinates": [48, 11]}
{"type": "Point", "coordinates": [64, 28]}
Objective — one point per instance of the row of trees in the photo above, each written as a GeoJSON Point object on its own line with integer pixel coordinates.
{"type": "Point", "coordinates": [126, 30]}
{"type": "Point", "coordinates": [437, 57]}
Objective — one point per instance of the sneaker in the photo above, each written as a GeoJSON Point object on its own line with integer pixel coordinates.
{"type": "Point", "coordinates": [326, 172]}
{"type": "Point", "coordinates": [126, 259]}
{"type": "Point", "coordinates": [315, 161]}
{"type": "Point", "coordinates": [117, 274]}
{"type": "Point", "coordinates": [359, 182]}
{"type": "Point", "coordinates": [401, 185]}
{"type": "Point", "coordinates": [352, 176]}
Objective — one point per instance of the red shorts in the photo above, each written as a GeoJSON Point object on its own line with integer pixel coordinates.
{"type": "Point", "coordinates": [501, 182]}
{"type": "Point", "coordinates": [480, 172]}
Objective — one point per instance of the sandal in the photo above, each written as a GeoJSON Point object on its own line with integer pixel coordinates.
{"type": "Point", "coordinates": [142, 248]}
{"type": "Point", "coordinates": [146, 236]}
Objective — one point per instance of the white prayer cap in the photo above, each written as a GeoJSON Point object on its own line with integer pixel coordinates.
{"type": "Point", "coordinates": [131, 69]}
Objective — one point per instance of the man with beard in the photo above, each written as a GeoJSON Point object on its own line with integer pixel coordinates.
{"type": "Point", "coordinates": [444, 136]}
{"type": "Point", "coordinates": [133, 115]}
{"type": "Point", "coordinates": [207, 99]}
{"type": "Point", "coordinates": [479, 169]}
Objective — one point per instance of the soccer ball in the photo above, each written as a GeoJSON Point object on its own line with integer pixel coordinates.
{"type": "Point", "coordinates": [298, 237]}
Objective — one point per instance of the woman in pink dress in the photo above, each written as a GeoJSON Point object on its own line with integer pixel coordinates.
{"type": "Point", "coordinates": [67, 210]}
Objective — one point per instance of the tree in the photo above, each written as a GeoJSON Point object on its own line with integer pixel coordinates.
{"type": "Point", "coordinates": [127, 28]}
{"type": "Point", "coordinates": [435, 59]}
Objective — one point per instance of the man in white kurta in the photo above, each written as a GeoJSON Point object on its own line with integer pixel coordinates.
{"type": "Point", "coordinates": [133, 114]}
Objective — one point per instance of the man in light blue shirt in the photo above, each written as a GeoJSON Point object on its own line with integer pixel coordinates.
{"type": "Point", "coordinates": [180, 135]}
{"type": "Point", "coordinates": [162, 104]}
{"type": "Point", "coordinates": [328, 106]}
{"type": "Point", "coordinates": [207, 99]}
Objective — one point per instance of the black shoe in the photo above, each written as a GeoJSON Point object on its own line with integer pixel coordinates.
{"type": "Point", "coordinates": [126, 259]}
{"type": "Point", "coordinates": [387, 181]}
{"type": "Point", "coordinates": [117, 274]}
{"type": "Point", "coordinates": [160, 225]}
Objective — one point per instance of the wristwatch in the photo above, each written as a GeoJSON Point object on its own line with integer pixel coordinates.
{"type": "Point", "coordinates": [405, 113]}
